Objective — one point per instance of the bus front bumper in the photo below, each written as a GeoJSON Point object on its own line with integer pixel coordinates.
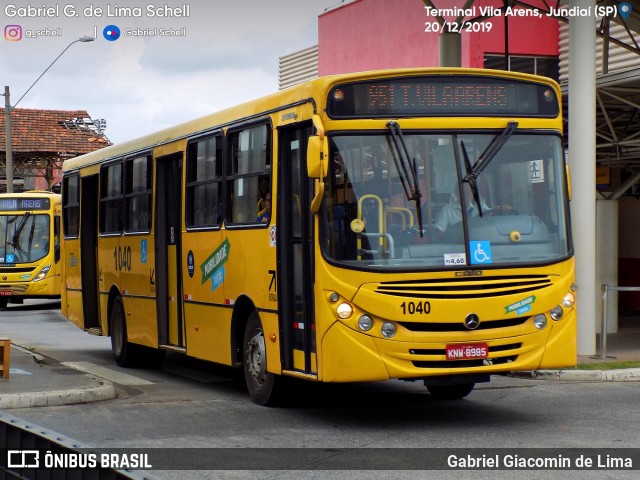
{"type": "Point", "coordinates": [348, 355]}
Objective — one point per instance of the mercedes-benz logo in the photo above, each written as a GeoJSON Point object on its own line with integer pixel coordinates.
{"type": "Point", "coordinates": [472, 321]}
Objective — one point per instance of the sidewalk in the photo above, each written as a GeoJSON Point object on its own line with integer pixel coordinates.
{"type": "Point", "coordinates": [37, 381]}
{"type": "Point", "coordinates": [623, 346]}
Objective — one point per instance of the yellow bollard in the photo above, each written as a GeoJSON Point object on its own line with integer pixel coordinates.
{"type": "Point", "coordinates": [5, 357]}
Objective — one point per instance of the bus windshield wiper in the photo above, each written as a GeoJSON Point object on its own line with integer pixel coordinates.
{"type": "Point", "coordinates": [493, 148]}
{"type": "Point", "coordinates": [489, 153]}
{"type": "Point", "coordinates": [471, 178]}
{"type": "Point", "coordinates": [407, 170]}
{"type": "Point", "coordinates": [16, 233]}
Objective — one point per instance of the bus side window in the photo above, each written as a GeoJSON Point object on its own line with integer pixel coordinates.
{"type": "Point", "coordinates": [56, 238]}
{"type": "Point", "coordinates": [249, 173]}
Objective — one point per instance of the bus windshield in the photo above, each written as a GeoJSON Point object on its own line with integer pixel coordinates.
{"type": "Point", "coordinates": [476, 209]}
{"type": "Point", "coordinates": [24, 238]}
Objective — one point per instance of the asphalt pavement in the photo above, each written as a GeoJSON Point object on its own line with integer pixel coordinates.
{"type": "Point", "coordinates": [39, 381]}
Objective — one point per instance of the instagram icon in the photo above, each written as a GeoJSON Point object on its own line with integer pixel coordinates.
{"type": "Point", "coordinates": [13, 33]}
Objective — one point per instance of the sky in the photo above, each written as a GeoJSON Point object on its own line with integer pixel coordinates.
{"type": "Point", "coordinates": [139, 84]}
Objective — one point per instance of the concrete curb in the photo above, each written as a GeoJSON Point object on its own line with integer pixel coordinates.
{"type": "Point", "coordinates": [622, 375]}
{"type": "Point", "coordinates": [36, 356]}
{"type": "Point", "coordinates": [102, 391]}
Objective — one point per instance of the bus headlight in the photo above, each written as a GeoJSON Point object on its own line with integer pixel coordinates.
{"type": "Point", "coordinates": [42, 274]}
{"type": "Point", "coordinates": [388, 330]}
{"type": "Point", "coordinates": [365, 323]}
{"type": "Point", "coordinates": [344, 310]}
{"type": "Point", "coordinates": [540, 321]}
{"type": "Point", "coordinates": [556, 313]}
{"type": "Point", "coordinates": [569, 300]}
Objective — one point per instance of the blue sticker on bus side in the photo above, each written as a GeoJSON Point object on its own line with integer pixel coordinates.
{"type": "Point", "coordinates": [480, 252]}
{"type": "Point", "coordinates": [213, 267]}
{"type": "Point", "coordinates": [143, 251]}
{"type": "Point", "coordinates": [9, 258]}
{"type": "Point", "coordinates": [191, 264]}
{"type": "Point", "coordinates": [217, 279]}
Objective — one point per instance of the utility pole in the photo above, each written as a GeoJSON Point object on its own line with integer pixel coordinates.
{"type": "Point", "coordinates": [8, 164]}
{"type": "Point", "coordinates": [7, 115]}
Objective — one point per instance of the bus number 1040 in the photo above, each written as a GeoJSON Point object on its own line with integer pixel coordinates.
{"type": "Point", "coordinates": [413, 308]}
{"type": "Point", "coordinates": [122, 257]}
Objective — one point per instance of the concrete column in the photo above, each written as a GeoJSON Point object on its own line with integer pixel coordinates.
{"type": "Point", "coordinates": [607, 258]}
{"type": "Point", "coordinates": [450, 49]}
{"type": "Point", "coordinates": [582, 149]}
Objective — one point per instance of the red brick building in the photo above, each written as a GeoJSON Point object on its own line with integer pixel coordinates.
{"type": "Point", "coordinates": [42, 140]}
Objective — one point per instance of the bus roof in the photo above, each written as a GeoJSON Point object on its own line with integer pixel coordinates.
{"type": "Point", "coordinates": [262, 105]}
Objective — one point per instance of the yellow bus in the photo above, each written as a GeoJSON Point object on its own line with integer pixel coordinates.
{"type": "Point", "coordinates": [419, 231]}
{"type": "Point", "coordinates": [29, 246]}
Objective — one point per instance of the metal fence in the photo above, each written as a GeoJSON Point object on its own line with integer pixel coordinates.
{"type": "Point", "coordinates": [603, 313]}
{"type": "Point", "coordinates": [24, 446]}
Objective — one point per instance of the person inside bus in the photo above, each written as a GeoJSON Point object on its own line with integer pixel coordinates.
{"type": "Point", "coordinates": [265, 214]}
{"type": "Point", "coordinates": [451, 214]}
{"type": "Point", "coordinates": [39, 242]}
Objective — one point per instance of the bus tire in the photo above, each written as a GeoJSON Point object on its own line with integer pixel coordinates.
{"type": "Point", "coordinates": [450, 392]}
{"type": "Point", "coordinates": [4, 301]}
{"type": "Point", "coordinates": [123, 351]}
{"type": "Point", "coordinates": [262, 385]}
{"type": "Point", "coordinates": [128, 354]}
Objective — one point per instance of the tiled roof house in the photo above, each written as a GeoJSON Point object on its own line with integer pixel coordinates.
{"type": "Point", "coordinates": [43, 139]}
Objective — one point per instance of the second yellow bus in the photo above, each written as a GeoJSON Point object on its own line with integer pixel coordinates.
{"type": "Point", "coordinates": [29, 246]}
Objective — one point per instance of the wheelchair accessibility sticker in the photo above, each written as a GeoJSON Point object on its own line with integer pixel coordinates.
{"type": "Point", "coordinates": [480, 252]}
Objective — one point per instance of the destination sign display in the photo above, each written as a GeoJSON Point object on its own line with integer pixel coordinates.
{"type": "Point", "coordinates": [443, 95]}
{"type": "Point", "coordinates": [21, 203]}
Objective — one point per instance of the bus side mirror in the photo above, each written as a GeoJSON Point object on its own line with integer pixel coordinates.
{"type": "Point", "coordinates": [317, 166]}
{"type": "Point", "coordinates": [317, 156]}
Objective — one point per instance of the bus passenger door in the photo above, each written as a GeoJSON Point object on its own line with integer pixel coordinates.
{"type": "Point", "coordinates": [294, 239]}
{"type": "Point", "coordinates": [168, 196]}
{"type": "Point", "coordinates": [89, 191]}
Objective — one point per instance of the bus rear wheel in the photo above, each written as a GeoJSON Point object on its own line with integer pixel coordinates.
{"type": "Point", "coordinates": [125, 353]}
{"type": "Point", "coordinates": [263, 386]}
{"type": "Point", "coordinates": [450, 392]}
{"type": "Point", "coordinates": [120, 346]}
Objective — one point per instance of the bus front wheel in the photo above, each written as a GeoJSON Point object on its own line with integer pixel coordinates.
{"type": "Point", "coordinates": [450, 392]}
{"type": "Point", "coordinates": [262, 385]}
{"type": "Point", "coordinates": [4, 301]}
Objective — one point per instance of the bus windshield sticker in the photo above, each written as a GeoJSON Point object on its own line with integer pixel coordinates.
{"type": "Point", "coordinates": [480, 252]}
{"type": "Point", "coordinates": [537, 171]}
{"type": "Point", "coordinates": [520, 307]}
{"type": "Point", "coordinates": [213, 267]}
{"type": "Point", "coordinates": [452, 259]}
